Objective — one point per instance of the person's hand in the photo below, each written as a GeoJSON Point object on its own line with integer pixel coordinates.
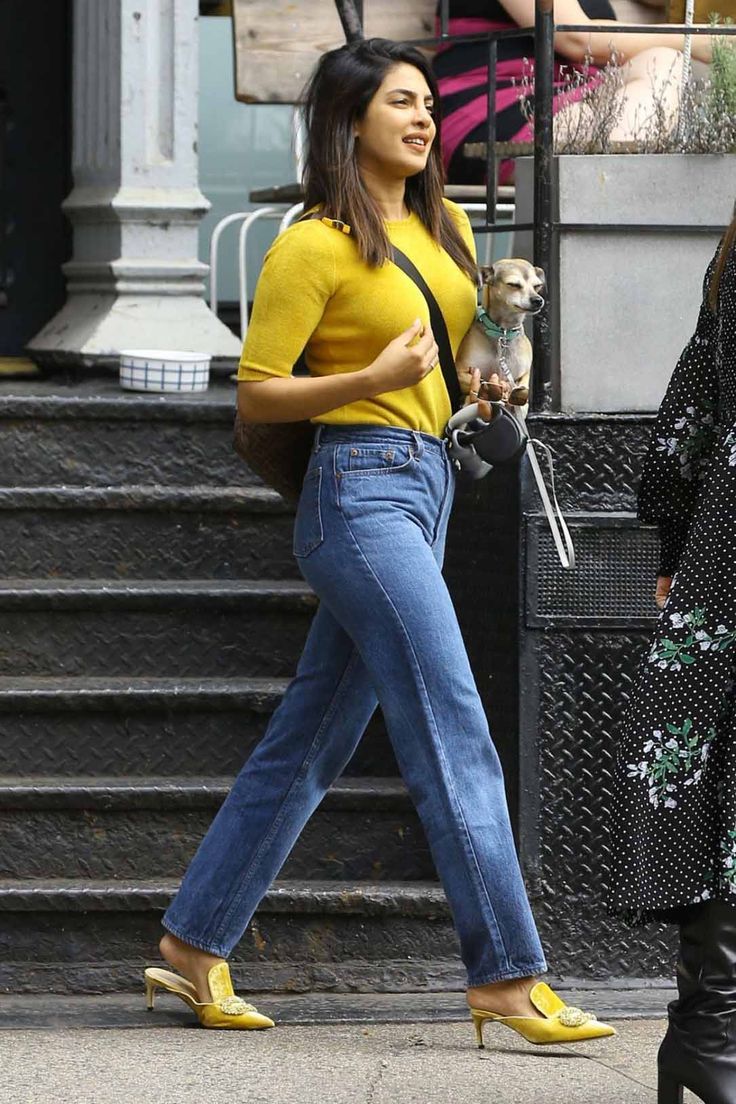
{"type": "Point", "coordinates": [484, 407]}
{"type": "Point", "coordinates": [404, 362]}
{"type": "Point", "coordinates": [664, 582]}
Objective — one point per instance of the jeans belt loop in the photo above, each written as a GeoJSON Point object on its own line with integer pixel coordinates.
{"type": "Point", "coordinates": [418, 445]}
{"type": "Point", "coordinates": [318, 438]}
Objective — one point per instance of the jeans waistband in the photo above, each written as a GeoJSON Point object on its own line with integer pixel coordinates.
{"type": "Point", "coordinates": [393, 435]}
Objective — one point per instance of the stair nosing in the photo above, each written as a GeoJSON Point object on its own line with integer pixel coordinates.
{"type": "Point", "coordinates": [424, 899]}
{"type": "Point", "coordinates": [44, 594]}
{"type": "Point", "coordinates": [127, 793]}
{"type": "Point", "coordinates": [216, 406]}
{"type": "Point", "coordinates": [245, 498]}
{"type": "Point", "coordinates": [75, 693]}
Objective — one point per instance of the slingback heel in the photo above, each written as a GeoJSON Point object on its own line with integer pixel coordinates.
{"type": "Point", "coordinates": [225, 1010]}
{"type": "Point", "coordinates": [669, 1090]}
{"type": "Point", "coordinates": [558, 1023]}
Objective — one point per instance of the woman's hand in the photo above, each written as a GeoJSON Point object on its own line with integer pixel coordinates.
{"type": "Point", "coordinates": [484, 407]}
{"type": "Point", "coordinates": [404, 362]}
{"type": "Point", "coordinates": [664, 582]}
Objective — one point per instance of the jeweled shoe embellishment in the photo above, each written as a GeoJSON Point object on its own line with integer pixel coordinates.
{"type": "Point", "coordinates": [559, 1022]}
{"type": "Point", "coordinates": [234, 1006]}
{"type": "Point", "coordinates": [570, 1016]}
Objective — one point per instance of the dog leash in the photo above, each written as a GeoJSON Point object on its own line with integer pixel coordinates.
{"type": "Point", "coordinates": [555, 517]}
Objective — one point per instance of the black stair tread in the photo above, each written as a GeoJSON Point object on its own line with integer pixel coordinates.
{"type": "Point", "coordinates": [87, 895]}
{"type": "Point", "coordinates": [30, 692]}
{"type": "Point", "coordinates": [79, 593]}
{"type": "Point", "coordinates": [104, 398]}
{"type": "Point", "coordinates": [140, 792]}
{"type": "Point", "coordinates": [146, 496]}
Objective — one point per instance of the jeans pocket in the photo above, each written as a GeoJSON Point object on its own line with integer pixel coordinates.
{"type": "Point", "coordinates": [308, 532]}
{"type": "Point", "coordinates": [369, 460]}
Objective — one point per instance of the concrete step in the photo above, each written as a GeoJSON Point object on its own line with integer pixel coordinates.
{"type": "Point", "coordinates": [148, 726]}
{"type": "Point", "coordinates": [188, 628]}
{"type": "Point", "coordinates": [146, 532]}
{"type": "Point", "coordinates": [117, 828]}
{"type": "Point", "coordinates": [82, 935]}
{"type": "Point", "coordinates": [94, 434]}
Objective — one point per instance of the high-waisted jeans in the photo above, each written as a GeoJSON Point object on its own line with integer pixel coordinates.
{"type": "Point", "coordinates": [369, 537]}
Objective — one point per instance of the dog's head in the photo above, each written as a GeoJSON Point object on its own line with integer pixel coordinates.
{"type": "Point", "coordinates": [512, 285]}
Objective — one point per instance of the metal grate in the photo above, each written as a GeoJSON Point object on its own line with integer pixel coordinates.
{"type": "Point", "coordinates": [585, 684]}
{"type": "Point", "coordinates": [612, 584]}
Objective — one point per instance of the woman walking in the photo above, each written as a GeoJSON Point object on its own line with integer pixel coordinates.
{"type": "Point", "coordinates": [675, 801]}
{"type": "Point", "coordinates": [369, 537]}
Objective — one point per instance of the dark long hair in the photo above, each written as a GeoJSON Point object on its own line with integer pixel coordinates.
{"type": "Point", "coordinates": [337, 95]}
{"type": "Point", "coordinates": [727, 247]}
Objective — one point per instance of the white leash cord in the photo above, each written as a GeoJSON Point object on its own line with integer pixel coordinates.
{"type": "Point", "coordinates": [555, 517]}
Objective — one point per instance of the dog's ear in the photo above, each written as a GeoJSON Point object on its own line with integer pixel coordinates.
{"type": "Point", "coordinates": [487, 274]}
{"type": "Point", "coordinates": [542, 277]}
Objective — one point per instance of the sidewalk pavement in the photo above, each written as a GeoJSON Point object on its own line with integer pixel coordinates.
{"type": "Point", "coordinates": [165, 1059]}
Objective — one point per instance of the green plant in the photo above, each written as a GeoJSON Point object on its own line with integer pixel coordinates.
{"type": "Point", "coordinates": [723, 70]}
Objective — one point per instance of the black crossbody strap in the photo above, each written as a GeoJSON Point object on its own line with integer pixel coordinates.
{"type": "Point", "coordinates": [439, 328]}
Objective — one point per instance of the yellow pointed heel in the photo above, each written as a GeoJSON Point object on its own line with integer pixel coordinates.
{"type": "Point", "coordinates": [226, 1010]}
{"type": "Point", "coordinates": [560, 1023]}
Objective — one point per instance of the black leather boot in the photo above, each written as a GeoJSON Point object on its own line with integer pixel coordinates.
{"type": "Point", "coordinates": [699, 1050]}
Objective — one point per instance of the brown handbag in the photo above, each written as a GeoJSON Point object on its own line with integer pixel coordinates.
{"type": "Point", "coordinates": [277, 452]}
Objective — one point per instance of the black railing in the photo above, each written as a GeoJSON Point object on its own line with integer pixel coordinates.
{"type": "Point", "coordinates": [545, 226]}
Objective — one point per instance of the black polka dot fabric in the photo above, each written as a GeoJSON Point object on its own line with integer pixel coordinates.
{"type": "Point", "coordinates": [674, 801]}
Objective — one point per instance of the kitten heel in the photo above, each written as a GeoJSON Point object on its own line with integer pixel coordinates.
{"type": "Point", "coordinates": [150, 994]}
{"type": "Point", "coordinates": [478, 1021]}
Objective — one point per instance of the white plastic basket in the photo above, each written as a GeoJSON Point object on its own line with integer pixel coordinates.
{"type": "Point", "coordinates": [163, 370]}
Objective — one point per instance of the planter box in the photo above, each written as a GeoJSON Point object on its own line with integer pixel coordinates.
{"type": "Point", "coordinates": [625, 303]}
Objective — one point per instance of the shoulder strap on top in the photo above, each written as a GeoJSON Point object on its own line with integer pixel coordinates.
{"type": "Point", "coordinates": [439, 328]}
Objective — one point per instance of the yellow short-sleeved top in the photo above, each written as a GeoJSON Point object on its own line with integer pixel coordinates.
{"type": "Point", "coordinates": [316, 294]}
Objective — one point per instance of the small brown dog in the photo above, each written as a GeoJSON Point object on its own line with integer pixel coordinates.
{"type": "Point", "coordinates": [496, 344]}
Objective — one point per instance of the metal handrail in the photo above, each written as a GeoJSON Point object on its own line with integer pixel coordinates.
{"type": "Point", "coordinates": [248, 222]}
{"type": "Point", "coordinates": [286, 218]}
{"type": "Point", "coordinates": [221, 226]}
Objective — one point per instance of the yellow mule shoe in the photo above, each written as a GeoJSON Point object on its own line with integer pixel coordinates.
{"type": "Point", "coordinates": [560, 1022]}
{"type": "Point", "coordinates": [226, 1010]}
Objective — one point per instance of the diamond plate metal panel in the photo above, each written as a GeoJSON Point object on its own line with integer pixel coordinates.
{"type": "Point", "coordinates": [598, 458]}
{"type": "Point", "coordinates": [585, 682]}
{"type": "Point", "coordinates": [583, 635]}
{"type": "Point", "coordinates": [613, 580]}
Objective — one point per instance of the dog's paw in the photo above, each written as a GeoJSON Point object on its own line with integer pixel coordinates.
{"type": "Point", "coordinates": [519, 396]}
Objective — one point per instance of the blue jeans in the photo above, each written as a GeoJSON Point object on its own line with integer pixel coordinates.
{"type": "Point", "coordinates": [369, 536]}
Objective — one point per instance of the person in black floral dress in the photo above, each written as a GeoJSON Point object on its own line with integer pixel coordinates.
{"type": "Point", "coordinates": [674, 821]}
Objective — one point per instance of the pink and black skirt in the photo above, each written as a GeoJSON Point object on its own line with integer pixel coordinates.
{"type": "Point", "coordinates": [465, 98]}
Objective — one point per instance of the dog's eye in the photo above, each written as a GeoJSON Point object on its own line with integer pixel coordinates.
{"type": "Point", "coordinates": [514, 285]}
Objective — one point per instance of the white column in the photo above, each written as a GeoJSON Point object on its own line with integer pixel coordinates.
{"type": "Point", "coordinates": [134, 280]}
